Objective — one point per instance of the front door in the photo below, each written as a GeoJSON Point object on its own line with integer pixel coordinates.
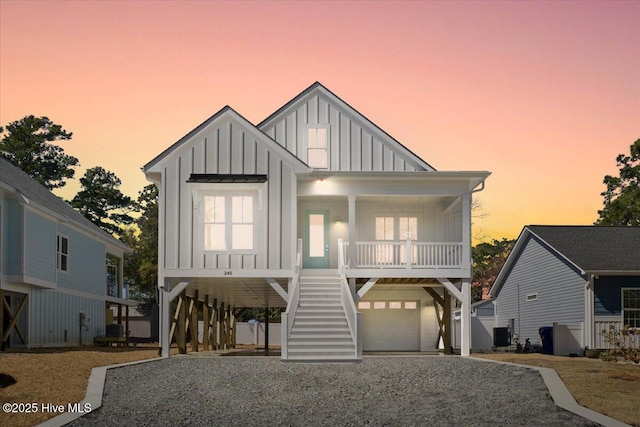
{"type": "Point", "coordinates": [316, 239]}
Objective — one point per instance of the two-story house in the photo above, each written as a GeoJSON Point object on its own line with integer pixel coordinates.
{"type": "Point", "coordinates": [58, 271]}
{"type": "Point", "coordinates": [318, 210]}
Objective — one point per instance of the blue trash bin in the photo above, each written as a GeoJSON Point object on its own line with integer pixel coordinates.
{"type": "Point", "coordinates": [546, 334]}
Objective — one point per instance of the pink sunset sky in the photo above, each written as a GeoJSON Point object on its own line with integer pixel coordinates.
{"type": "Point", "coordinates": [544, 95]}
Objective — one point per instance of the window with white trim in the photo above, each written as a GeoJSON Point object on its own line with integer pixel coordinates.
{"type": "Point", "coordinates": [62, 253]}
{"type": "Point", "coordinates": [631, 307]}
{"type": "Point", "coordinates": [395, 228]}
{"type": "Point", "coordinates": [364, 305]}
{"type": "Point", "coordinates": [317, 147]}
{"type": "Point", "coordinates": [229, 222]}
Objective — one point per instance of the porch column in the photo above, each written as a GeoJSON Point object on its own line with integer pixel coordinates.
{"type": "Point", "coordinates": [465, 319]}
{"type": "Point", "coordinates": [589, 337]}
{"type": "Point", "coordinates": [164, 312]}
{"type": "Point", "coordinates": [352, 230]}
{"type": "Point", "coordinates": [466, 230]}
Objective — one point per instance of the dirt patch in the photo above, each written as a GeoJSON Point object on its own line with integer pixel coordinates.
{"type": "Point", "coordinates": [56, 376]}
{"type": "Point", "coordinates": [612, 389]}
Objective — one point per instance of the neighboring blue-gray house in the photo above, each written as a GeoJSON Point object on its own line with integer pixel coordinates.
{"type": "Point", "coordinates": [54, 265]}
{"type": "Point", "coordinates": [584, 278]}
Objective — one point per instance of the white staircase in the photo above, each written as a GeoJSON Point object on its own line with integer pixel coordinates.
{"type": "Point", "coordinates": [320, 330]}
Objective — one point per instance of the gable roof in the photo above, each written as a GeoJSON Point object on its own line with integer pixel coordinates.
{"type": "Point", "coordinates": [317, 86]}
{"type": "Point", "coordinates": [594, 248]}
{"type": "Point", "coordinates": [590, 249]}
{"type": "Point", "coordinates": [226, 110]}
{"type": "Point", "coordinates": [31, 192]}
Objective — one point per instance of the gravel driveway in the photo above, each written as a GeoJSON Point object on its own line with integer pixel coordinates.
{"type": "Point", "coordinates": [391, 391]}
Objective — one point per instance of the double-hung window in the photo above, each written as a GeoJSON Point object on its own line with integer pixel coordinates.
{"type": "Point", "coordinates": [62, 253]}
{"type": "Point", "coordinates": [631, 307]}
{"type": "Point", "coordinates": [229, 222]}
{"type": "Point", "coordinates": [317, 147]}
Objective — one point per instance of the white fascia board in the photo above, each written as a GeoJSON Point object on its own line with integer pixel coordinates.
{"type": "Point", "coordinates": [471, 178]}
{"type": "Point", "coordinates": [613, 272]}
{"type": "Point", "coordinates": [331, 98]}
{"type": "Point", "coordinates": [560, 254]}
{"type": "Point", "coordinates": [388, 183]}
{"type": "Point", "coordinates": [90, 232]}
{"type": "Point", "coordinates": [190, 274]}
{"type": "Point", "coordinates": [523, 238]}
{"type": "Point", "coordinates": [298, 165]}
{"type": "Point", "coordinates": [511, 259]}
{"type": "Point", "coordinates": [154, 168]}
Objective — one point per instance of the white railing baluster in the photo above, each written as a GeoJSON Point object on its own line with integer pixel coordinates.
{"type": "Point", "coordinates": [292, 305]}
{"type": "Point", "coordinates": [407, 254]}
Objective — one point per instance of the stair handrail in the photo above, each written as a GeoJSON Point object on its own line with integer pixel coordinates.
{"type": "Point", "coordinates": [293, 303]}
{"type": "Point", "coordinates": [346, 298]}
{"type": "Point", "coordinates": [341, 263]}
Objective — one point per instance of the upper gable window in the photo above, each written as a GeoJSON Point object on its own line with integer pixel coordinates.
{"type": "Point", "coordinates": [317, 147]}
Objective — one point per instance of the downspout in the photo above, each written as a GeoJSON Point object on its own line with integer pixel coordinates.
{"type": "Point", "coordinates": [478, 189]}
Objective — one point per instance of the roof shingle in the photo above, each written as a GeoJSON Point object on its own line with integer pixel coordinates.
{"type": "Point", "coordinates": [594, 248]}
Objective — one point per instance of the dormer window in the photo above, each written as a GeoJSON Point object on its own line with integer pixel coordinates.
{"type": "Point", "coordinates": [317, 147]}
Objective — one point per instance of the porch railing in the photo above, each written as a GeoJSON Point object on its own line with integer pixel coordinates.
{"type": "Point", "coordinates": [600, 325]}
{"type": "Point", "coordinates": [387, 254]}
{"type": "Point", "coordinates": [292, 305]}
{"type": "Point", "coordinates": [354, 318]}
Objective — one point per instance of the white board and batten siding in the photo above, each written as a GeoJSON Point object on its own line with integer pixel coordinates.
{"type": "Point", "coordinates": [556, 293]}
{"type": "Point", "coordinates": [228, 146]}
{"type": "Point", "coordinates": [355, 144]}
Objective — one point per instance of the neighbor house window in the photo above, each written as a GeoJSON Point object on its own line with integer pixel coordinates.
{"type": "Point", "coordinates": [631, 307]}
{"type": "Point", "coordinates": [229, 223]}
{"type": "Point", "coordinates": [532, 297]}
{"type": "Point", "coordinates": [62, 252]}
{"type": "Point", "coordinates": [317, 143]}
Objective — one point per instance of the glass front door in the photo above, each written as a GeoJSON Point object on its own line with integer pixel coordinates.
{"type": "Point", "coordinates": [316, 239]}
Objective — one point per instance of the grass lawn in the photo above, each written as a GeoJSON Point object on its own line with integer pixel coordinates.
{"type": "Point", "coordinates": [612, 389]}
{"type": "Point", "coordinates": [60, 377]}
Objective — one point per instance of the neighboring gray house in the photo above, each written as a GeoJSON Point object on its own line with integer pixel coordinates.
{"type": "Point", "coordinates": [54, 265]}
{"type": "Point", "coordinates": [584, 278]}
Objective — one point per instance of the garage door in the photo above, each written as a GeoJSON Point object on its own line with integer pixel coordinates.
{"type": "Point", "coordinates": [390, 325]}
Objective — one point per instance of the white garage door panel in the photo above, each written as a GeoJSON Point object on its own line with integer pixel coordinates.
{"type": "Point", "coordinates": [391, 329]}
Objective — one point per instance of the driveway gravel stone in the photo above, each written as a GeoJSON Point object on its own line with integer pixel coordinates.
{"type": "Point", "coordinates": [380, 391]}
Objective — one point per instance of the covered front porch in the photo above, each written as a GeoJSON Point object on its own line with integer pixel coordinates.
{"type": "Point", "coordinates": [413, 225]}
